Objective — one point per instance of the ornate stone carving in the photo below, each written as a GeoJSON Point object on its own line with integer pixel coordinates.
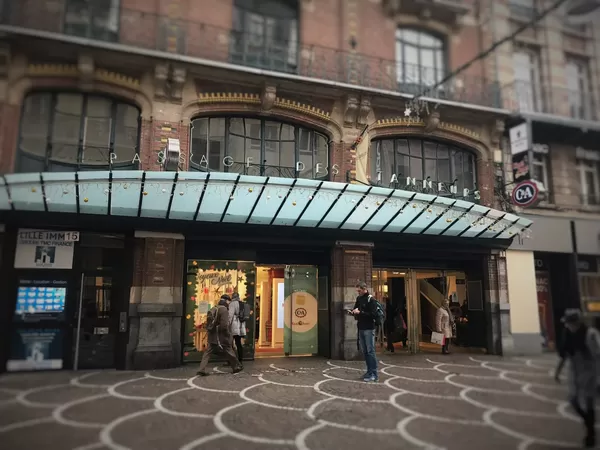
{"type": "Point", "coordinates": [432, 122]}
{"type": "Point", "coordinates": [268, 97]}
{"type": "Point", "coordinates": [497, 132]}
{"type": "Point", "coordinates": [85, 66]}
{"type": "Point", "coordinates": [364, 110]}
{"type": "Point", "coordinates": [161, 77]}
{"type": "Point", "coordinates": [169, 81]}
{"type": "Point", "coordinates": [177, 82]}
{"type": "Point", "coordinates": [351, 110]}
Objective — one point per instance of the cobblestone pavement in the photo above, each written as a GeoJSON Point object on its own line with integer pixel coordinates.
{"type": "Point", "coordinates": [424, 401]}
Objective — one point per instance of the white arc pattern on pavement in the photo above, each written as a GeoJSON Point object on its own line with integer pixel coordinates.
{"type": "Point", "coordinates": [336, 384]}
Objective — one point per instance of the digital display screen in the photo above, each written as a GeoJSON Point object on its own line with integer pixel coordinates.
{"type": "Point", "coordinates": [39, 299]}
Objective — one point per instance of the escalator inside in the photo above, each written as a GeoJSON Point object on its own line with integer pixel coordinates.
{"type": "Point", "coordinates": [432, 287]}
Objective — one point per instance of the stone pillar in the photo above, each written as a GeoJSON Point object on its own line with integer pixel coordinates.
{"type": "Point", "coordinates": [156, 303]}
{"type": "Point", "coordinates": [352, 262]}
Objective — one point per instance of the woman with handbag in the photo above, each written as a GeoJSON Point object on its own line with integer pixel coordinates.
{"type": "Point", "coordinates": [444, 322]}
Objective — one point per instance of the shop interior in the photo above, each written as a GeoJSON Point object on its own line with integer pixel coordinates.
{"type": "Point", "coordinates": [433, 287]}
{"type": "Point", "coordinates": [269, 318]}
{"type": "Point", "coordinates": [273, 315]}
{"type": "Point", "coordinates": [283, 302]}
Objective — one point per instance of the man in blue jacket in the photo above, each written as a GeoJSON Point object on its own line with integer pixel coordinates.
{"type": "Point", "coordinates": [365, 313]}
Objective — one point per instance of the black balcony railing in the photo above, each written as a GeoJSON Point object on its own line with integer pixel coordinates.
{"type": "Point", "coordinates": [528, 97]}
{"type": "Point", "coordinates": [176, 35]}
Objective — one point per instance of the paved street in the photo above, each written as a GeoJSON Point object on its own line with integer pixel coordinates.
{"type": "Point", "coordinates": [426, 401]}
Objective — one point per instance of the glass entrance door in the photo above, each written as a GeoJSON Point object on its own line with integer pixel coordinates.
{"type": "Point", "coordinates": [97, 322]}
{"type": "Point", "coordinates": [301, 311]}
{"type": "Point", "coordinates": [100, 298]}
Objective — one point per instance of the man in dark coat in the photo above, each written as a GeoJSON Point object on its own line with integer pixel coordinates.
{"type": "Point", "coordinates": [219, 337]}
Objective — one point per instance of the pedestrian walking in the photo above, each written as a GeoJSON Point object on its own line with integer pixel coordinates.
{"type": "Point", "coordinates": [365, 313]}
{"type": "Point", "coordinates": [219, 336]}
{"type": "Point", "coordinates": [444, 321]}
{"type": "Point", "coordinates": [580, 346]}
{"type": "Point", "coordinates": [238, 327]}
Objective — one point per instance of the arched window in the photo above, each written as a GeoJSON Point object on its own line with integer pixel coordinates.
{"type": "Point", "coordinates": [258, 147]}
{"type": "Point", "coordinates": [422, 159]}
{"type": "Point", "coordinates": [420, 59]}
{"type": "Point", "coordinates": [265, 34]}
{"type": "Point", "coordinates": [63, 132]}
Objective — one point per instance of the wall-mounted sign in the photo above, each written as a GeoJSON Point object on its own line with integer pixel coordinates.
{"type": "Point", "coordinates": [587, 264]}
{"type": "Point", "coordinates": [525, 194]}
{"type": "Point", "coordinates": [587, 155]}
{"type": "Point", "coordinates": [541, 148]}
{"type": "Point", "coordinates": [428, 186]}
{"type": "Point", "coordinates": [45, 249]}
{"type": "Point", "coordinates": [519, 138]}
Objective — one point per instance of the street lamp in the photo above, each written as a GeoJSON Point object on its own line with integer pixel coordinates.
{"type": "Point", "coordinates": [580, 11]}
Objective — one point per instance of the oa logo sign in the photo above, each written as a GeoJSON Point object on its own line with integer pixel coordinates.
{"type": "Point", "coordinates": [525, 194]}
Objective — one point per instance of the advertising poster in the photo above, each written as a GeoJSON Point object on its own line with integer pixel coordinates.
{"type": "Point", "coordinates": [35, 349]}
{"type": "Point", "coordinates": [206, 282]}
{"type": "Point", "coordinates": [300, 335]}
{"type": "Point", "coordinates": [44, 249]}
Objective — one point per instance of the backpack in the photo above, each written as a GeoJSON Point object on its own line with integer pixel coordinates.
{"type": "Point", "coordinates": [244, 311]}
{"type": "Point", "coordinates": [379, 312]}
{"type": "Point", "coordinates": [212, 318]}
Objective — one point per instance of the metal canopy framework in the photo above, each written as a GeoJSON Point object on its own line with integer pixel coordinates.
{"type": "Point", "coordinates": [232, 198]}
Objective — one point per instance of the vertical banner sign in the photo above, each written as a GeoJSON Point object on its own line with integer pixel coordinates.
{"type": "Point", "coordinates": [542, 281]}
{"type": "Point", "coordinates": [301, 311]}
{"type": "Point", "coordinates": [519, 149]}
{"type": "Point", "coordinates": [45, 249]}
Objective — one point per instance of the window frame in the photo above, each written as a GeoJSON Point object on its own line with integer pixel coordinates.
{"type": "Point", "coordinates": [543, 162]}
{"type": "Point", "coordinates": [585, 167]}
{"type": "Point", "coordinates": [106, 34]}
{"type": "Point", "coordinates": [451, 147]}
{"type": "Point", "coordinates": [245, 9]}
{"type": "Point", "coordinates": [583, 93]}
{"type": "Point", "coordinates": [533, 89]}
{"type": "Point", "coordinates": [78, 165]}
{"type": "Point", "coordinates": [517, 9]}
{"type": "Point", "coordinates": [263, 168]}
{"type": "Point", "coordinates": [402, 63]}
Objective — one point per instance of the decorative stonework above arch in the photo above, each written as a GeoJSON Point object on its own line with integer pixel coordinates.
{"type": "Point", "coordinates": [71, 70]}
{"type": "Point", "coordinates": [255, 99]}
{"type": "Point", "coordinates": [403, 121]}
{"type": "Point", "coordinates": [58, 76]}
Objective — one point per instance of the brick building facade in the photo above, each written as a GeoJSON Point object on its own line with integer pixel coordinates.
{"type": "Point", "coordinates": [109, 86]}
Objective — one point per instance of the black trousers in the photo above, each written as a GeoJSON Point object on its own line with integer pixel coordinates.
{"type": "Point", "coordinates": [239, 347]}
{"type": "Point", "coordinates": [587, 413]}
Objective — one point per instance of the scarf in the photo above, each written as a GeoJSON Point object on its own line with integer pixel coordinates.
{"type": "Point", "coordinates": [450, 315]}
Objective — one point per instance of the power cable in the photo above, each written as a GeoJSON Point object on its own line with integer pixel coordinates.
{"type": "Point", "coordinates": [492, 48]}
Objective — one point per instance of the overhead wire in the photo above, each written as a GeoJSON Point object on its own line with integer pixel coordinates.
{"type": "Point", "coordinates": [510, 37]}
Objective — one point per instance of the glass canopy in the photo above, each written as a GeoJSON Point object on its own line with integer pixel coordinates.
{"type": "Point", "coordinates": [233, 198]}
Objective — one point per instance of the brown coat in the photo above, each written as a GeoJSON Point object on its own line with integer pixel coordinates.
{"type": "Point", "coordinates": [221, 334]}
